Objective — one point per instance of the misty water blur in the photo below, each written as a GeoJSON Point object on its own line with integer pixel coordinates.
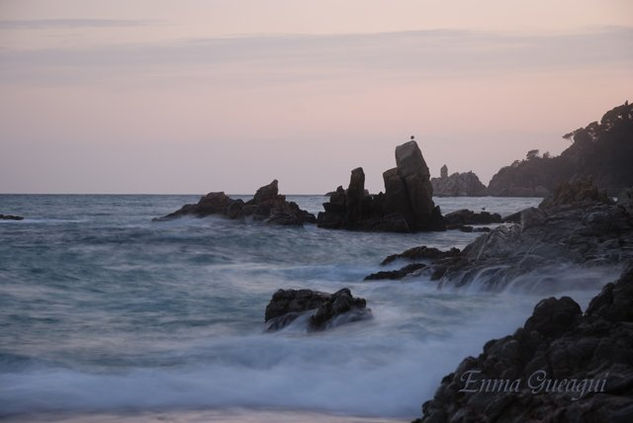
{"type": "Point", "coordinates": [103, 310]}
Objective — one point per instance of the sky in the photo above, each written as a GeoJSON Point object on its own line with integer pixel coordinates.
{"type": "Point", "coordinates": [154, 96]}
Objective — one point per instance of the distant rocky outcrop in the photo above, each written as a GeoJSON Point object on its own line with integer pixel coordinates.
{"type": "Point", "coordinates": [465, 184]}
{"type": "Point", "coordinates": [10, 217]}
{"type": "Point", "coordinates": [603, 150]}
{"type": "Point", "coordinates": [561, 366]}
{"type": "Point", "coordinates": [322, 309]}
{"type": "Point", "coordinates": [266, 206]}
{"type": "Point", "coordinates": [406, 205]}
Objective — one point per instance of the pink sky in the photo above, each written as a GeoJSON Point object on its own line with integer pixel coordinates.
{"type": "Point", "coordinates": [197, 96]}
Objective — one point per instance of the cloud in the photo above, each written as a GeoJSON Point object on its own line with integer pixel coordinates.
{"type": "Point", "coordinates": [68, 23]}
{"type": "Point", "coordinates": [415, 53]}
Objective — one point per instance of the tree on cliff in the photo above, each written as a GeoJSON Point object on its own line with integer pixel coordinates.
{"type": "Point", "coordinates": [602, 149]}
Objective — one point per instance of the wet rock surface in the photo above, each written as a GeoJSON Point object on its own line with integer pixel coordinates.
{"type": "Point", "coordinates": [588, 230]}
{"type": "Point", "coordinates": [570, 367]}
{"type": "Point", "coordinates": [396, 274]}
{"type": "Point", "coordinates": [324, 309]}
{"type": "Point", "coordinates": [267, 206]}
{"type": "Point", "coordinates": [421, 252]}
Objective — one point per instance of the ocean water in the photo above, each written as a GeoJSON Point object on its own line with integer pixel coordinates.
{"type": "Point", "coordinates": [103, 311]}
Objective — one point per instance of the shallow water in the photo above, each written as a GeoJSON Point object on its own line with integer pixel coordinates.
{"type": "Point", "coordinates": [103, 311]}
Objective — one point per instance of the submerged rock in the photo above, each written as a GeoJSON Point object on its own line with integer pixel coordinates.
{"type": "Point", "coordinates": [324, 310]}
{"type": "Point", "coordinates": [10, 217]}
{"type": "Point", "coordinates": [561, 366]}
{"type": "Point", "coordinates": [266, 206]}
{"type": "Point", "coordinates": [395, 274]}
{"type": "Point", "coordinates": [406, 205]}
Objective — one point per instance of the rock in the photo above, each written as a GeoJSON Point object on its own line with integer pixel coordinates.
{"type": "Point", "coordinates": [266, 206]}
{"type": "Point", "coordinates": [10, 217]}
{"type": "Point", "coordinates": [267, 193]}
{"type": "Point", "coordinates": [558, 343]}
{"type": "Point", "coordinates": [552, 317]}
{"type": "Point", "coordinates": [532, 217]}
{"type": "Point", "coordinates": [421, 252]}
{"type": "Point", "coordinates": [406, 205]}
{"type": "Point", "coordinates": [625, 200]}
{"type": "Point", "coordinates": [396, 196]}
{"type": "Point", "coordinates": [414, 172]}
{"type": "Point", "coordinates": [395, 274]}
{"type": "Point", "coordinates": [469, 217]}
{"type": "Point", "coordinates": [576, 193]}
{"type": "Point", "coordinates": [324, 309]}
{"type": "Point", "coordinates": [571, 229]}
{"type": "Point", "coordinates": [465, 184]}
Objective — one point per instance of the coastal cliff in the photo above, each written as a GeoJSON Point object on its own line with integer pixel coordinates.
{"type": "Point", "coordinates": [603, 150]}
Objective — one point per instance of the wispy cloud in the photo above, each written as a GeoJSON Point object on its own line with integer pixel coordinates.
{"type": "Point", "coordinates": [437, 52]}
{"type": "Point", "coordinates": [68, 23]}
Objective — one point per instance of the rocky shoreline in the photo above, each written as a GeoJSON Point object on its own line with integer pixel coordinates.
{"type": "Point", "coordinates": [561, 366]}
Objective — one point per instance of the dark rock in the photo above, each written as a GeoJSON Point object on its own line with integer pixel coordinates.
{"type": "Point", "coordinates": [625, 200]}
{"type": "Point", "coordinates": [422, 252]}
{"type": "Point", "coordinates": [395, 274]}
{"type": "Point", "coordinates": [10, 217]}
{"type": "Point", "coordinates": [324, 309]}
{"type": "Point", "coordinates": [406, 205]}
{"type": "Point", "coordinates": [552, 316]}
{"type": "Point", "coordinates": [266, 206]}
{"type": "Point", "coordinates": [586, 232]}
{"type": "Point", "coordinates": [465, 184]}
{"type": "Point", "coordinates": [563, 345]}
{"type": "Point", "coordinates": [469, 217]}
{"type": "Point", "coordinates": [512, 218]}
{"type": "Point", "coordinates": [414, 172]}
{"type": "Point", "coordinates": [577, 193]}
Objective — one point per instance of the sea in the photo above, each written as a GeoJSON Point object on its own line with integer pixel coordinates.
{"type": "Point", "coordinates": [107, 316]}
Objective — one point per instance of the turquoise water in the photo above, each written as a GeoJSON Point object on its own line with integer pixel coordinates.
{"type": "Point", "coordinates": [102, 310]}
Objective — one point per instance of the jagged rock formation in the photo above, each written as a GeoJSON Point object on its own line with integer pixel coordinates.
{"type": "Point", "coordinates": [577, 225]}
{"type": "Point", "coordinates": [406, 205]}
{"type": "Point", "coordinates": [465, 184]}
{"type": "Point", "coordinates": [603, 150]}
{"type": "Point", "coordinates": [324, 310]}
{"type": "Point", "coordinates": [561, 366]}
{"type": "Point", "coordinates": [418, 255]}
{"type": "Point", "coordinates": [266, 206]}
